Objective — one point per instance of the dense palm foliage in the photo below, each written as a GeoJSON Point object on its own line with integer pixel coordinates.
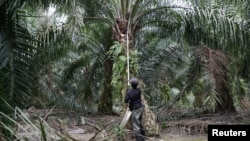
{"type": "Point", "coordinates": [199, 24]}
{"type": "Point", "coordinates": [16, 53]}
{"type": "Point", "coordinates": [77, 56]}
{"type": "Point", "coordinates": [230, 38]}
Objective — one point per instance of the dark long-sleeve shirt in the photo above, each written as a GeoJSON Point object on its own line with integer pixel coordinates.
{"type": "Point", "coordinates": [133, 97]}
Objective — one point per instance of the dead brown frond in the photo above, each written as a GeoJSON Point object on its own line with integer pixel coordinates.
{"type": "Point", "coordinates": [245, 104]}
{"type": "Point", "coordinates": [213, 67]}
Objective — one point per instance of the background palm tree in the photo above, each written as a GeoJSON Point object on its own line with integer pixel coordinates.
{"type": "Point", "coordinates": [212, 66]}
{"type": "Point", "coordinates": [24, 52]}
{"type": "Point", "coordinates": [16, 53]}
{"type": "Point", "coordinates": [96, 65]}
{"type": "Point", "coordinates": [209, 23]}
{"type": "Point", "coordinates": [224, 33]}
{"type": "Point", "coordinates": [17, 58]}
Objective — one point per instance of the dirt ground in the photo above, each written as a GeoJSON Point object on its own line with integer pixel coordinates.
{"type": "Point", "coordinates": [77, 127]}
{"type": "Point", "coordinates": [188, 129]}
{"type": "Point", "coordinates": [177, 137]}
{"type": "Point", "coordinates": [166, 134]}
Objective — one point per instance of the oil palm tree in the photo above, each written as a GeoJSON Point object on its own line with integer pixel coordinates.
{"type": "Point", "coordinates": [128, 18]}
{"type": "Point", "coordinates": [23, 49]}
{"type": "Point", "coordinates": [240, 74]}
{"type": "Point", "coordinates": [117, 16]}
{"type": "Point", "coordinates": [224, 32]}
{"type": "Point", "coordinates": [96, 67]}
{"type": "Point", "coordinates": [214, 24]}
{"type": "Point", "coordinates": [17, 58]}
{"type": "Point", "coordinates": [213, 67]}
{"type": "Point", "coordinates": [16, 55]}
{"type": "Point", "coordinates": [124, 18]}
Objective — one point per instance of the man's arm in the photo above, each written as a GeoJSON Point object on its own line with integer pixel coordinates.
{"type": "Point", "coordinates": [126, 100]}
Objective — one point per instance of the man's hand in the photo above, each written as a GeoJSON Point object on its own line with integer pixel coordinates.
{"type": "Point", "coordinates": [126, 105]}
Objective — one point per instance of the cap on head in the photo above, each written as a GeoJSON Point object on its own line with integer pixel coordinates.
{"type": "Point", "coordinates": [133, 81]}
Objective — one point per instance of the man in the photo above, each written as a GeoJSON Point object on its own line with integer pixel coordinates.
{"type": "Point", "coordinates": [134, 101]}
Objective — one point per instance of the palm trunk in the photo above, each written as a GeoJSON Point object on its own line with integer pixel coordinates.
{"type": "Point", "coordinates": [106, 103]}
{"type": "Point", "coordinates": [149, 120]}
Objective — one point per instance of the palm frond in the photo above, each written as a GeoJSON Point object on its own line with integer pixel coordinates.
{"type": "Point", "coordinates": [161, 62]}
{"type": "Point", "coordinates": [214, 65]}
{"type": "Point", "coordinates": [4, 51]}
{"type": "Point", "coordinates": [17, 59]}
{"type": "Point", "coordinates": [82, 62]}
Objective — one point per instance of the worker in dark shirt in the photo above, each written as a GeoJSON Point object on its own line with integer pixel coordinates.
{"type": "Point", "coordinates": [134, 101]}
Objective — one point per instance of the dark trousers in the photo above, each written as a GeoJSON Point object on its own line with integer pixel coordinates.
{"type": "Point", "coordinates": [137, 124]}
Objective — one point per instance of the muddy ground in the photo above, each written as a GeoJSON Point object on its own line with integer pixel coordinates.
{"type": "Point", "coordinates": [72, 126]}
